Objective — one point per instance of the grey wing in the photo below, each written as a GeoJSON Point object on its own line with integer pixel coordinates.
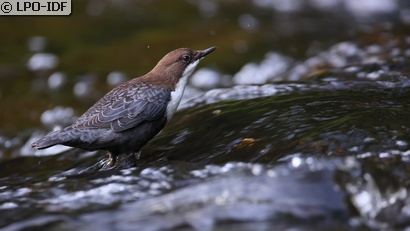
{"type": "Point", "coordinates": [127, 110]}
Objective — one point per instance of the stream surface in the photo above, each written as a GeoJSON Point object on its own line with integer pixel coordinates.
{"type": "Point", "coordinates": [299, 120]}
{"type": "Point", "coordinates": [327, 156]}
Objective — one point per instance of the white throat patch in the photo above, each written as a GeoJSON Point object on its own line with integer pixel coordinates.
{"type": "Point", "coordinates": [176, 95]}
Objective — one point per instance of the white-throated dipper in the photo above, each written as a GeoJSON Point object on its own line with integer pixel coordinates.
{"type": "Point", "coordinates": [132, 113]}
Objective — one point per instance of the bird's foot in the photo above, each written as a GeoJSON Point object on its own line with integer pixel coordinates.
{"type": "Point", "coordinates": [137, 155]}
{"type": "Point", "coordinates": [112, 158]}
{"type": "Point", "coordinates": [122, 160]}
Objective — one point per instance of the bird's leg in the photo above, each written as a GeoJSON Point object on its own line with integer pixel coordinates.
{"type": "Point", "coordinates": [137, 155]}
{"type": "Point", "coordinates": [113, 158]}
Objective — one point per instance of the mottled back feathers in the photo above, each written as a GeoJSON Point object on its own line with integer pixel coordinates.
{"type": "Point", "coordinates": [126, 107]}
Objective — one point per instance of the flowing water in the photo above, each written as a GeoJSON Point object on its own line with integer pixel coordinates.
{"type": "Point", "coordinates": [323, 156]}
{"type": "Point", "coordinates": [316, 137]}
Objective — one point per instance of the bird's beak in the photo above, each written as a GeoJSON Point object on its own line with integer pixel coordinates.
{"type": "Point", "coordinates": [205, 52]}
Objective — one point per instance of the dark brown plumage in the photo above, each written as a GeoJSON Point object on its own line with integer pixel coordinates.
{"type": "Point", "coordinates": [132, 113]}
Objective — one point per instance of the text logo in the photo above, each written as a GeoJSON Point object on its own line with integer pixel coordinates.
{"type": "Point", "coordinates": [35, 7]}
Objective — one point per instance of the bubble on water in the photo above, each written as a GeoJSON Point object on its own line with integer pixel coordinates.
{"type": "Point", "coordinates": [384, 155]}
{"type": "Point", "coordinates": [147, 171]}
{"type": "Point", "coordinates": [374, 75]}
{"type": "Point", "coordinates": [343, 53]}
{"type": "Point", "coordinates": [116, 77]}
{"type": "Point", "coordinates": [395, 51]}
{"type": "Point", "coordinates": [22, 192]}
{"type": "Point", "coordinates": [161, 185]}
{"type": "Point", "coordinates": [367, 7]}
{"type": "Point", "coordinates": [8, 205]}
{"type": "Point", "coordinates": [104, 194]}
{"type": "Point", "coordinates": [58, 115]}
{"type": "Point", "coordinates": [271, 173]}
{"type": "Point", "coordinates": [205, 78]}
{"type": "Point", "coordinates": [271, 67]}
{"type": "Point", "coordinates": [257, 169]}
{"type": "Point", "coordinates": [296, 162]}
{"type": "Point", "coordinates": [401, 143]}
{"type": "Point", "coordinates": [298, 71]}
{"type": "Point", "coordinates": [56, 80]}
{"type": "Point", "coordinates": [82, 89]}
{"type": "Point", "coordinates": [42, 61]}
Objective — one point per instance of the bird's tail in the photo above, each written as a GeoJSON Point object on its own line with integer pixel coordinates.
{"type": "Point", "coordinates": [47, 141]}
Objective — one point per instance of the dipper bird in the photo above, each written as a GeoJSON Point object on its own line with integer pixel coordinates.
{"type": "Point", "coordinates": [132, 113]}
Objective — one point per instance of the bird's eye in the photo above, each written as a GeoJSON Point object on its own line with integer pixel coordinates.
{"type": "Point", "coordinates": [186, 58]}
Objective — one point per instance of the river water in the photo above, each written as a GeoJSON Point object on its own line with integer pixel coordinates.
{"type": "Point", "coordinates": [301, 121]}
